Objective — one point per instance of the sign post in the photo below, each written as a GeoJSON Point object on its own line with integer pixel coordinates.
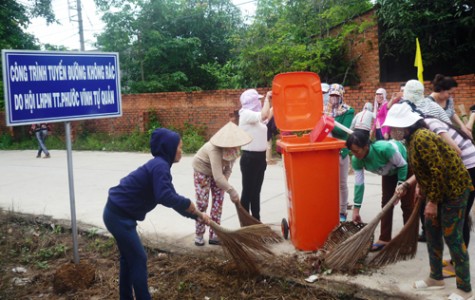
{"type": "Point", "coordinates": [48, 87]}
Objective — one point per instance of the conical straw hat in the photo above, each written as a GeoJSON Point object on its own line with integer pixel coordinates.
{"type": "Point", "coordinates": [230, 135]}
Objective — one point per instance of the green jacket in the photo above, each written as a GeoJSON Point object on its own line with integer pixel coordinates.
{"type": "Point", "coordinates": [344, 119]}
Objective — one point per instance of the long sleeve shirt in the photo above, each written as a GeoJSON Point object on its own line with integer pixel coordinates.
{"type": "Point", "coordinates": [439, 171]}
{"type": "Point", "coordinates": [209, 161]}
{"type": "Point", "coordinates": [384, 158]}
{"type": "Point", "coordinates": [345, 119]}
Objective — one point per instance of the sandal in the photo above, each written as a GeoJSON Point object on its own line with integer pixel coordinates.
{"type": "Point", "coordinates": [377, 247]}
{"type": "Point", "coordinates": [448, 273]}
{"type": "Point", "coordinates": [423, 285]}
{"type": "Point", "coordinates": [199, 241]}
{"type": "Point", "coordinates": [214, 242]}
{"type": "Point", "coordinates": [455, 296]}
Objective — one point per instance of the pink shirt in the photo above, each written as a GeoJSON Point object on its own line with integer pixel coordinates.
{"type": "Point", "coordinates": [381, 117]}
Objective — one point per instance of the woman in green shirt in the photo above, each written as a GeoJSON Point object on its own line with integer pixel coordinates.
{"type": "Point", "coordinates": [385, 158]}
{"type": "Point", "coordinates": [444, 183]}
{"type": "Point", "coordinates": [343, 114]}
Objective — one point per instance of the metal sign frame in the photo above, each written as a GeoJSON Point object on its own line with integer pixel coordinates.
{"type": "Point", "coordinates": [59, 86]}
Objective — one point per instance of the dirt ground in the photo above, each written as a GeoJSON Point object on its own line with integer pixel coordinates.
{"type": "Point", "coordinates": [37, 263]}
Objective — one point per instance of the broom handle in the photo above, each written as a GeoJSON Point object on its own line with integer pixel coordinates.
{"type": "Point", "coordinates": [213, 224]}
{"type": "Point", "coordinates": [343, 127]}
{"type": "Point", "coordinates": [374, 221]}
{"type": "Point", "coordinates": [387, 207]}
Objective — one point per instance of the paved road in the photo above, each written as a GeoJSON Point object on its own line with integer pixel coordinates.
{"type": "Point", "coordinates": [40, 186]}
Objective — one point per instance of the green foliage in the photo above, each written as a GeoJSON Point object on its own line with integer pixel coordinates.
{"type": "Point", "coordinates": [57, 229]}
{"type": "Point", "coordinates": [293, 36]}
{"type": "Point", "coordinates": [166, 45]}
{"type": "Point", "coordinates": [101, 245]}
{"type": "Point", "coordinates": [193, 137]}
{"type": "Point", "coordinates": [51, 252]}
{"type": "Point", "coordinates": [5, 141]}
{"type": "Point", "coordinates": [445, 28]}
{"type": "Point", "coordinates": [14, 18]}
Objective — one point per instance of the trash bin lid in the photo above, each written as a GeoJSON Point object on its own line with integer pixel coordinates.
{"type": "Point", "coordinates": [297, 100]}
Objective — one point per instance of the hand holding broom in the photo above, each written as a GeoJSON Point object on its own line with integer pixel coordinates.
{"type": "Point", "coordinates": [404, 245]}
{"type": "Point", "coordinates": [245, 219]}
{"type": "Point", "coordinates": [346, 254]}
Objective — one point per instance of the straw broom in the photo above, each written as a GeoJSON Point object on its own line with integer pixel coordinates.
{"type": "Point", "coordinates": [245, 219]}
{"type": "Point", "coordinates": [245, 245]}
{"type": "Point", "coordinates": [404, 245]}
{"type": "Point", "coordinates": [347, 254]}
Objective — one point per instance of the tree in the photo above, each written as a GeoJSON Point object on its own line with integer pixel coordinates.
{"type": "Point", "coordinates": [169, 45]}
{"type": "Point", "coordinates": [294, 36]}
{"type": "Point", "coordinates": [14, 19]}
{"type": "Point", "coordinates": [445, 29]}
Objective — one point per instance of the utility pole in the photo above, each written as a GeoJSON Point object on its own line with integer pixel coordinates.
{"type": "Point", "coordinates": [81, 30]}
{"type": "Point", "coordinates": [75, 5]}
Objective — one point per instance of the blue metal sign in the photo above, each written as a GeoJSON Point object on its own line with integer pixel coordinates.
{"type": "Point", "coordinates": [47, 86]}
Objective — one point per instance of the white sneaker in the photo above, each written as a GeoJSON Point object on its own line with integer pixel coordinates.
{"type": "Point", "coordinates": [199, 241]}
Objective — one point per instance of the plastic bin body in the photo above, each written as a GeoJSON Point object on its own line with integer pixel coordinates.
{"type": "Point", "coordinates": [312, 177]}
{"type": "Point", "coordinates": [311, 168]}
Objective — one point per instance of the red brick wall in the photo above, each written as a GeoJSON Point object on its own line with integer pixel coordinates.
{"type": "Point", "coordinates": [356, 96]}
{"type": "Point", "coordinates": [363, 47]}
{"type": "Point", "coordinates": [214, 108]}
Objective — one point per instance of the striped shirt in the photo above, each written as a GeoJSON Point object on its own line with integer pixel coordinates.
{"type": "Point", "coordinates": [431, 109]}
{"type": "Point", "coordinates": [466, 145]}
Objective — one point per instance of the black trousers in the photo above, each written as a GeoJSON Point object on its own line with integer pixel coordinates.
{"type": "Point", "coordinates": [253, 166]}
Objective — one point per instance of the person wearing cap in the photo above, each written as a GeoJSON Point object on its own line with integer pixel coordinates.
{"type": "Point", "coordinates": [325, 90]}
{"type": "Point", "coordinates": [385, 158]}
{"type": "Point", "coordinates": [363, 121]}
{"type": "Point", "coordinates": [342, 114]}
{"type": "Point", "coordinates": [212, 166]}
{"type": "Point", "coordinates": [379, 131]}
{"type": "Point", "coordinates": [137, 194]}
{"type": "Point", "coordinates": [444, 184]}
{"type": "Point", "coordinates": [443, 89]}
{"type": "Point", "coordinates": [414, 93]}
{"type": "Point", "coordinates": [253, 117]}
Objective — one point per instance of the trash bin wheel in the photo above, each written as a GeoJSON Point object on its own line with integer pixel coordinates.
{"type": "Point", "coordinates": [285, 228]}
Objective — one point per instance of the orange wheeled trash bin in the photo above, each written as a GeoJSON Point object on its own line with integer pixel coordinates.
{"type": "Point", "coordinates": [311, 168]}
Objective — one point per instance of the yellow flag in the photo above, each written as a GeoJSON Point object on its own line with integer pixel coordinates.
{"type": "Point", "coordinates": [418, 62]}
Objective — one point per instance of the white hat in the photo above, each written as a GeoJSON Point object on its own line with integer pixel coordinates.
{"type": "Point", "coordinates": [229, 136]}
{"type": "Point", "coordinates": [401, 116]}
{"type": "Point", "coordinates": [325, 87]}
{"type": "Point", "coordinates": [414, 91]}
{"type": "Point", "coordinates": [249, 96]}
{"type": "Point", "coordinates": [337, 89]}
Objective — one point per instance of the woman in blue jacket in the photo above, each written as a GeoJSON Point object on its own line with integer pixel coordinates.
{"type": "Point", "coordinates": [136, 195]}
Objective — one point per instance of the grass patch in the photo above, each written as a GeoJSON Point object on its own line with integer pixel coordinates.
{"type": "Point", "coordinates": [193, 138]}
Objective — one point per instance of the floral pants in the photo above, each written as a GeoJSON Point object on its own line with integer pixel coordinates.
{"type": "Point", "coordinates": [203, 185]}
{"type": "Point", "coordinates": [448, 226]}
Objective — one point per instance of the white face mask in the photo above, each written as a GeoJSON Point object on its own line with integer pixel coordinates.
{"type": "Point", "coordinates": [397, 133]}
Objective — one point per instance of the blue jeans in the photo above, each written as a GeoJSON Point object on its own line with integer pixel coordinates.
{"type": "Point", "coordinates": [133, 259]}
{"type": "Point", "coordinates": [41, 137]}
